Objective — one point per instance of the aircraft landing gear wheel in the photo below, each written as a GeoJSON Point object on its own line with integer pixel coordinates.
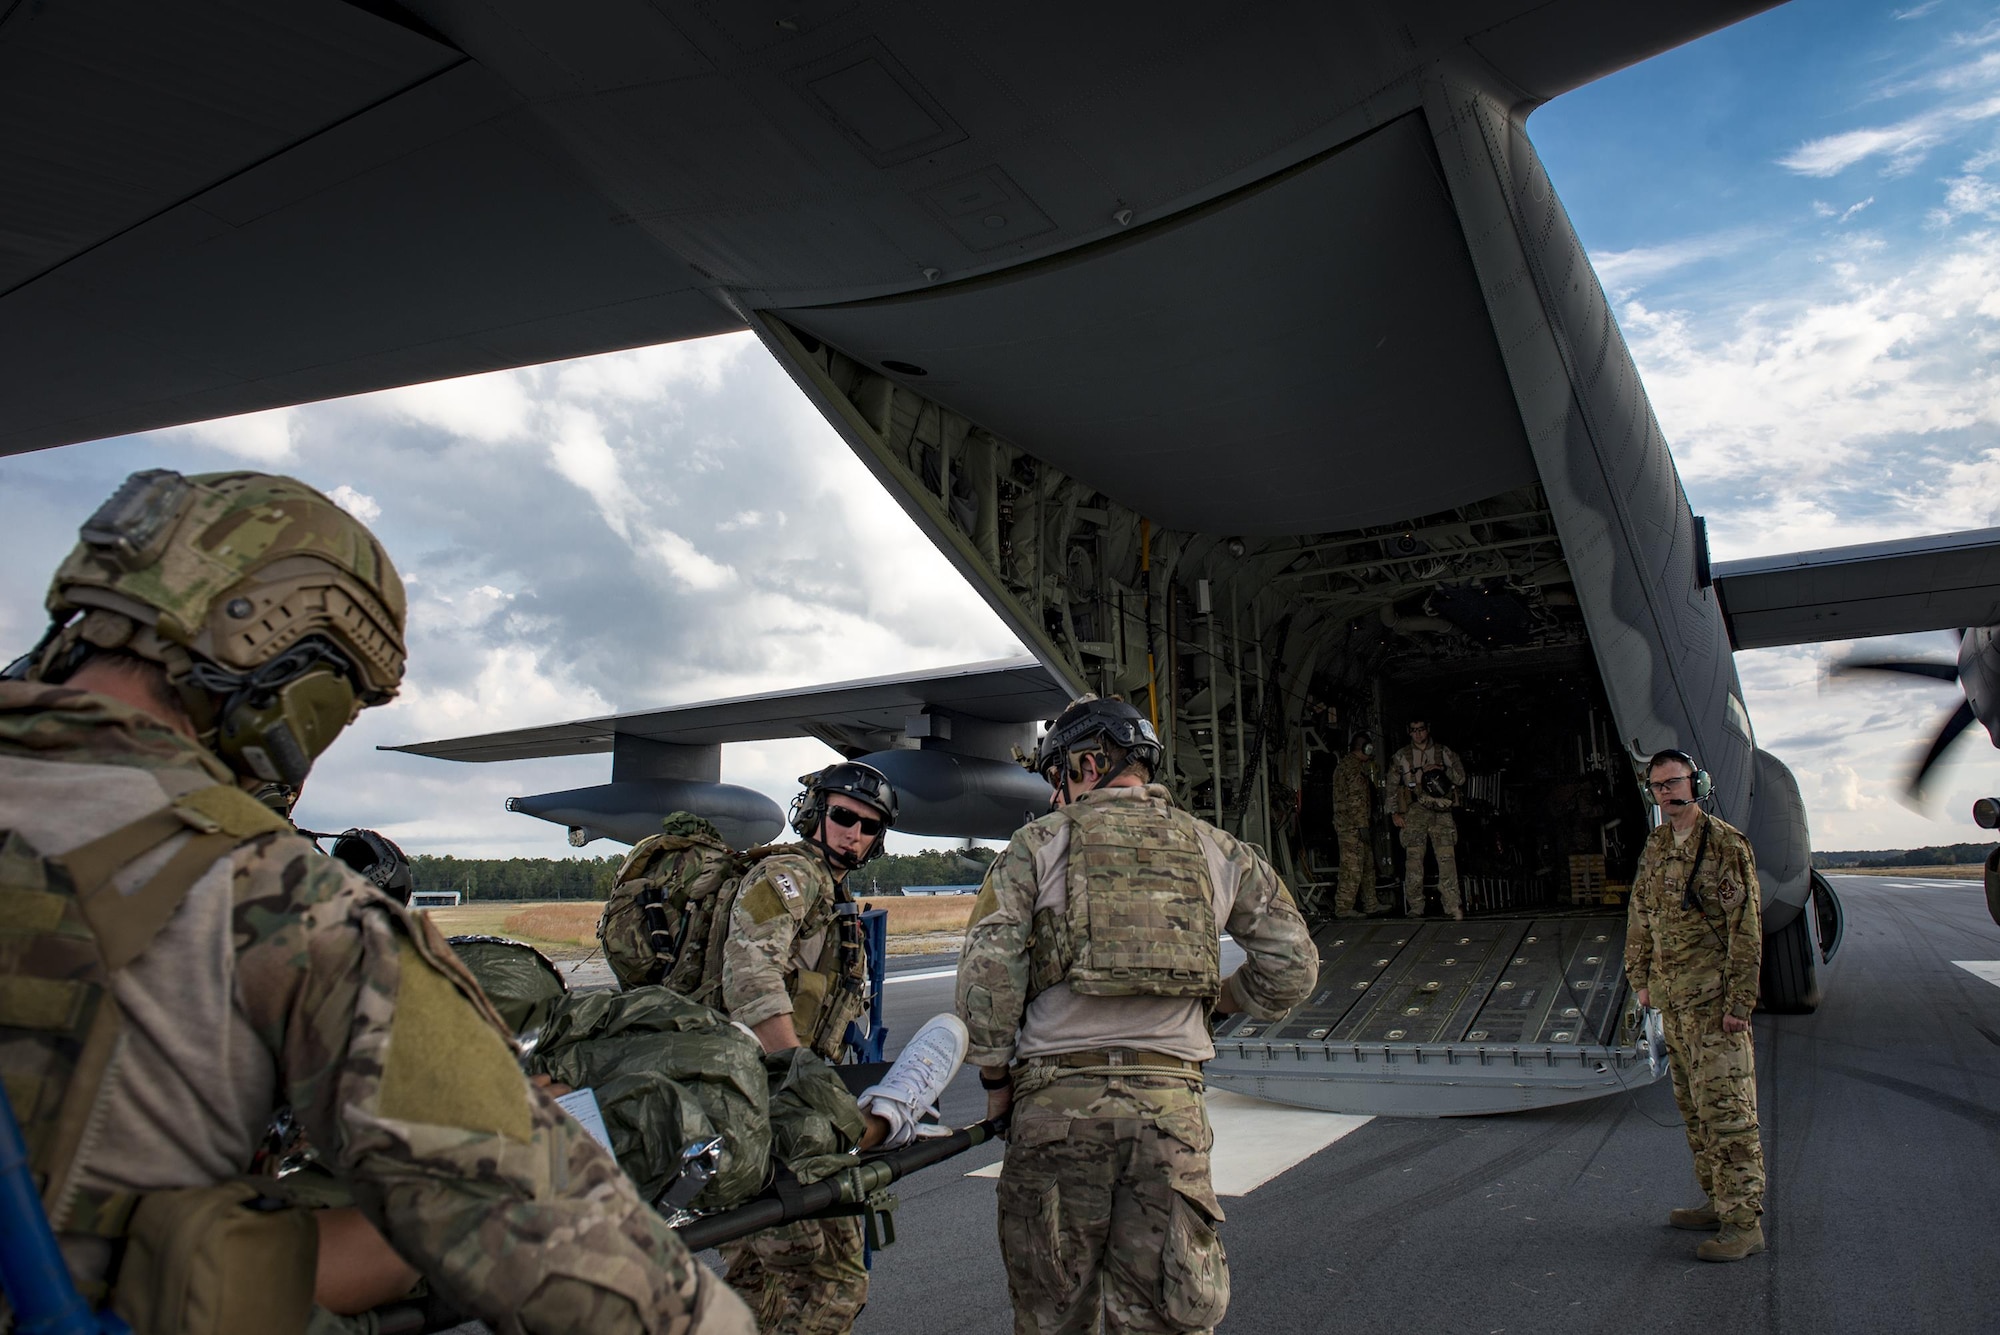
{"type": "Point", "coordinates": [1790, 985]}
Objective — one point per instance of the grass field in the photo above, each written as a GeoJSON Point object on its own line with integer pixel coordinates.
{"type": "Point", "coordinates": [564, 930]}
{"type": "Point", "coordinates": [567, 930]}
{"type": "Point", "coordinates": [1958, 872]}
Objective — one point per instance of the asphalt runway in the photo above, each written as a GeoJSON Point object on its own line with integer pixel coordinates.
{"type": "Point", "coordinates": [1881, 1123]}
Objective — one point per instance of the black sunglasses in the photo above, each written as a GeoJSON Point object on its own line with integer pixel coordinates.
{"type": "Point", "coordinates": [847, 820]}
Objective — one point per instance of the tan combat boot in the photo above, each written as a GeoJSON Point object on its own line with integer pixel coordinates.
{"type": "Point", "coordinates": [1696, 1217]}
{"type": "Point", "coordinates": [1733, 1243]}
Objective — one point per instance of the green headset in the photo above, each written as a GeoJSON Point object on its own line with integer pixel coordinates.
{"type": "Point", "coordinates": [1700, 782]}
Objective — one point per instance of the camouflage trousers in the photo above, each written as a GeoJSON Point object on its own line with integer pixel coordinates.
{"type": "Point", "coordinates": [1715, 1083]}
{"type": "Point", "coordinates": [803, 1278]}
{"type": "Point", "coordinates": [1107, 1218]}
{"type": "Point", "coordinates": [1357, 867]}
{"type": "Point", "coordinates": [1440, 830]}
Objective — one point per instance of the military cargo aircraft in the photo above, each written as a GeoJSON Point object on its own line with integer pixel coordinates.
{"type": "Point", "coordinates": [1243, 359]}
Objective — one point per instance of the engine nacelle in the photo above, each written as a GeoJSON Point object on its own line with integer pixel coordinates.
{"type": "Point", "coordinates": [631, 809]}
{"type": "Point", "coordinates": [944, 793]}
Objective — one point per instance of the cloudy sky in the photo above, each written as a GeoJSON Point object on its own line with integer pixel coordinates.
{"type": "Point", "coordinates": [1798, 220]}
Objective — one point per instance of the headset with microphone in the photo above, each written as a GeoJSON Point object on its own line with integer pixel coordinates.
{"type": "Point", "coordinates": [1699, 782]}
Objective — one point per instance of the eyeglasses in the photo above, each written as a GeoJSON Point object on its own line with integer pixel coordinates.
{"type": "Point", "coordinates": [1666, 785]}
{"type": "Point", "coordinates": [1416, 728]}
{"type": "Point", "coordinates": [847, 820]}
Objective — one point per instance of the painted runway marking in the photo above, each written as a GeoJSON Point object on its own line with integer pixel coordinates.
{"type": "Point", "coordinates": [920, 977]}
{"type": "Point", "coordinates": [1987, 969]}
{"type": "Point", "coordinates": [1256, 1141]}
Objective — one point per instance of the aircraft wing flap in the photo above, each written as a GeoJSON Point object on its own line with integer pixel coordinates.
{"type": "Point", "coordinates": [1015, 690]}
{"type": "Point", "coordinates": [1941, 582]}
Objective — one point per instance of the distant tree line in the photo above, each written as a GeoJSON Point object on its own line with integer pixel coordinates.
{"type": "Point", "coordinates": [517, 878]}
{"type": "Point", "coordinates": [590, 878]}
{"type": "Point", "coordinates": [934, 866]}
{"type": "Point", "coordinates": [1947, 855]}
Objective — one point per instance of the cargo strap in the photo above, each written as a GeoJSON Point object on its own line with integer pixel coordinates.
{"type": "Point", "coordinates": [125, 925]}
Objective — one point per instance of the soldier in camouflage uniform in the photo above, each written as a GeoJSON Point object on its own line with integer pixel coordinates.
{"type": "Point", "coordinates": [793, 971]}
{"type": "Point", "coordinates": [1090, 969]}
{"type": "Point", "coordinates": [1695, 941]}
{"type": "Point", "coordinates": [1353, 805]}
{"type": "Point", "coordinates": [1427, 777]}
{"type": "Point", "coordinates": [209, 634]}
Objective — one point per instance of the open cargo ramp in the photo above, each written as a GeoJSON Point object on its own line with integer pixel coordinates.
{"type": "Point", "coordinates": [1447, 1019]}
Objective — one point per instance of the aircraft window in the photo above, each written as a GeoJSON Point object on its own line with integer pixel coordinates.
{"type": "Point", "coordinates": [1739, 718]}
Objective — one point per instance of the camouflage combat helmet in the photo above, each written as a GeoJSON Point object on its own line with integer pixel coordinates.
{"type": "Point", "coordinates": [1087, 718]}
{"type": "Point", "coordinates": [381, 862]}
{"type": "Point", "coordinates": [275, 614]}
{"type": "Point", "coordinates": [850, 778]}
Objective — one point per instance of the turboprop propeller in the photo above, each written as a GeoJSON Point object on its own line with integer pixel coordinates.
{"type": "Point", "coordinates": [1977, 675]}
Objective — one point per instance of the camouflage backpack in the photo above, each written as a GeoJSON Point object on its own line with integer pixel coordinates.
{"type": "Point", "coordinates": [669, 908]}
{"type": "Point", "coordinates": [65, 930]}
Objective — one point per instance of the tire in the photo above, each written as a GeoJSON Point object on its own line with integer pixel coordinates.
{"type": "Point", "coordinates": [1790, 985]}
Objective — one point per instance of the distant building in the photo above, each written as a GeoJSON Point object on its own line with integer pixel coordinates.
{"type": "Point", "coordinates": [972, 889]}
{"type": "Point", "coordinates": [434, 899]}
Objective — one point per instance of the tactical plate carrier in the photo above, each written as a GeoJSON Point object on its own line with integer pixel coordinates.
{"type": "Point", "coordinates": [1141, 914]}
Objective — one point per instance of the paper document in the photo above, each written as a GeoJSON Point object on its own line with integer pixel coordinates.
{"type": "Point", "coordinates": [582, 1105]}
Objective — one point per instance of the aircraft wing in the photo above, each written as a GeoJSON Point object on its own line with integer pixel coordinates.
{"type": "Point", "coordinates": [946, 738]}
{"type": "Point", "coordinates": [851, 716]}
{"type": "Point", "coordinates": [211, 208]}
{"type": "Point", "coordinates": [1945, 581]}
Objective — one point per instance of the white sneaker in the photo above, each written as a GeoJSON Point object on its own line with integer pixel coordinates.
{"type": "Point", "coordinates": [912, 1086]}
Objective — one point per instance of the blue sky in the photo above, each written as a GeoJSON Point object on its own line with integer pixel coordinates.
{"type": "Point", "coordinates": [1797, 221]}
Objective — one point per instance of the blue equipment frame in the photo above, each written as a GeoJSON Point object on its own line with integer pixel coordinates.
{"type": "Point", "coordinates": [32, 1268]}
{"type": "Point", "coordinates": [875, 944]}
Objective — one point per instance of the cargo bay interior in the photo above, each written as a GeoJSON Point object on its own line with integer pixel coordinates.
{"type": "Point", "coordinates": [1257, 653]}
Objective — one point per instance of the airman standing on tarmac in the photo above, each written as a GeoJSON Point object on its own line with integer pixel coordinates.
{"type": "Point", "coordinates": [1694, 941]}
{"type": "Point", "coordinates": [1427, 777]}
{"type": "Point", "coordinates": [1090, 969]}
{"type": "Point", "coordinates": [179, 961]}
{"type": "Point", "coordinates": [794, 972]}
{"type": "Point", "coordinates": [1353, 807]}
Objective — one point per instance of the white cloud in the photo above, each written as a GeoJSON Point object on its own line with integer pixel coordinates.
{"type": "Point", "coordinates": [647, 374]}
{"type": "Point", "coordinates": [1855, 411]}
{"type": "Point", "coordinates": [511, 687]}
{"type": "Point", "coordinates": [1905, 143]}
{"type": "Point", "coordinates": [488, 408]}
{"type": "Point", "coordinates": [686, 564]}
{"type": "Point", "coordinates": [263, 438]}
{"type": "Point", "coordinates": [1626, 270]}
{"type": "Point", "coordinates": [1966, 195]}
{"type": "Point", "coordinates": [362, 506]}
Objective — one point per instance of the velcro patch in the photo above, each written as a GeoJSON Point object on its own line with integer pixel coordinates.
{"type": "Point", "coordinates": [447, 1065]}
{"type": "Point", "coordinates": [785, 885]}
{"type": "Point", "coordinates": [762, 903]}
{"type": "Point", "coordinates": [233, 811]}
